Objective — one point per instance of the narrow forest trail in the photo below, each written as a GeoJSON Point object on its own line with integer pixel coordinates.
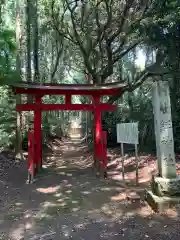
{"type": "Point", "coordinates": [69, 202]}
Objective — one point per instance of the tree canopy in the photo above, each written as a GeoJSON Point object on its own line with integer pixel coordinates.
{"type": "Point", "coordinates": [103, 32]}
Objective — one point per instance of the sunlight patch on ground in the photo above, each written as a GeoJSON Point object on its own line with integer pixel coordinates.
{"type": "Point", "coordinates": [132, 195]}
{"type": "Point", "coordinates": [69, 174]}
{"type": "Point", "coordinates": [48, 204]}
{"type": "Point", "coordinates": [145, 211]}
{"type": "Point", "coordinates": [68, 191]}
{"type": "Point", "coordinates": [27, 215]}
{"type": "Point", "coordinates": [18, 204]}
{"type": "Point", "coordinates": [43, 236]}
{"type": "Point", "coordinates": [18, 233]}
{"type": "Point", "coordinates": [62, 173]}
{"type": "Point", "coordinates": [62, 167]}
{"type": "Point", "coordinates": [58, 194]}
{"type": "Point", "coordinates": [108, 210]}
{"type": "Point", "coordinates": [69, 185]}
{"type": "Point", "coordinates": [51, 157]}
{"type": "Point", "coordinates": [29, 225]}
{"type": "Point", "coordinates": [171, 213]}
{"type": "Point", "coordinates": [80, 225]}
{"type": "Point", "coordinates": [119, 197]}
{"type": "Point", "coordinates": [75, 209]}
{"type": "Point", "coordinates": [86, 192]}
{"type": "Point", "coordinates": [60, 200]}
{"type": "Point", "coordinates": [62, 204]}
{"type": "Point", "coordinates": [71, 148]}
{"type": "Point", "coordinates": [48, 189]}
{"type": "Point", "coordinates": [105, 189]}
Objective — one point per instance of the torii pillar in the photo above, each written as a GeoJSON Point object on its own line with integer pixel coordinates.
{"type": "Point", "coordinates": [98, 137]}
{"type": "Point", "coordinates": [38, 134]}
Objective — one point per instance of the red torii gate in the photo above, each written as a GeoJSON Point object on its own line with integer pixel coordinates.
{"type": "Point", "coordinates": [68, 90]}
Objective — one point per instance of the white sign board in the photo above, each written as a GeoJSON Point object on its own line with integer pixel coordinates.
{"type": "Point", "coordinates": [127, 133]}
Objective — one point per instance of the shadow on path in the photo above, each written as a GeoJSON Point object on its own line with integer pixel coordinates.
{"type": "Point", "coordinates": [69, 202]}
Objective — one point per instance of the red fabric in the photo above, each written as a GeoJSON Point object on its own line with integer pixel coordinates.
{"type": "Point", "coordinates": [30, 151]}
{"type": "Point", "coordinates": [104, 149]}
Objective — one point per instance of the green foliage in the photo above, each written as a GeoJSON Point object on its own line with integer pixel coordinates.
{"type": "Point", "coordinates": [7, 75]}
{"type": "Point", "coordinates": [7, 57]}
{"type": "Point", "coordinates": [7, 118]}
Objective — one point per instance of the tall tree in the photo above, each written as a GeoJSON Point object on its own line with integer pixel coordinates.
{"type": "Point", "coordinates": [35, 33]}
{"type": "Point", "coordinates": [28, 39]}
{"type": "Point", "coordinates": [18, 69]}
{"type": "Point", "coordinates": [2, 2]}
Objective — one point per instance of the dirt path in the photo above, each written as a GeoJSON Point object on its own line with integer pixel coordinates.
{"type": "Point", "coordinates": [69, 202]}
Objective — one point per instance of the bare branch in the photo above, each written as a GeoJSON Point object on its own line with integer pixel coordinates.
{"type": "Point", "coordinates": [140, 79]}
{"type": "Point", "coordinates": [101, 28]}
{"type": "Point", "coordinates": [59, 53]}
{"type": "Point", "coordinates": [108, 70]}
{"type": "Point", "coordinates": [56, 24]}
{"type": "Point", "coordinates": [76, 81]}
{"type": "Point", "coordinates": [78, 39]}
{"type": "Point", "coordinates": [118, 55]}
{"type": "Point", "coordinates": [124, 16]}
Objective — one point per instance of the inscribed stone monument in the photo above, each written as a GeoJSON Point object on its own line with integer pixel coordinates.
{"type": "Point", "coordinates": [166, 185]}
{"type": "Point", "coordinates": [163, 130]}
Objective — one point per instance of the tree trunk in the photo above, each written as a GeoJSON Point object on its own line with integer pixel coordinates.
{"type": "Point", "coordinates": [35, 41]}
{"type": "Point", "coordinates": [28, 44]}
{"type": "Point", "coordinates": [18, 146]}
{"type": "Point", "coordinates": [131, 107]}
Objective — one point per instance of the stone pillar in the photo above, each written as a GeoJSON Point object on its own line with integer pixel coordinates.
{"type": "Point", "coordinates": [165, 187]}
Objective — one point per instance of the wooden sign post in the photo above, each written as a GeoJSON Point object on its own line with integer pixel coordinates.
{"type": "Point", "coordinates": [128, 133]}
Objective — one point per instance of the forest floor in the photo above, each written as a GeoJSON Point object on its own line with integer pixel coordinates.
{"type": "Point", "coordinates": [68, 202]}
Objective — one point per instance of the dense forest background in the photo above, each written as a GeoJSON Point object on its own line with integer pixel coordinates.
{"type": "Point", "coordinates": [95, 41]}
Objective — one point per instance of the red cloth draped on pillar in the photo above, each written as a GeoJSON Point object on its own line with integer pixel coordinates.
{"type": "Point", "coordinates": [104, 149]}
{"type": "Point", "coordinates": [31, 153]}
{"type": "Point", "coordinates": [98, 131]}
